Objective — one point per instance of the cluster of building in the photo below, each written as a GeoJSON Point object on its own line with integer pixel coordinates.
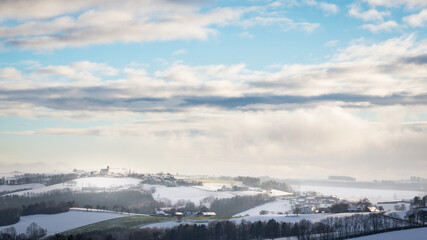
{"type": "Point", "coordinates": [314, 204]}
{"type": "Point", "coordinates": [165, 179]}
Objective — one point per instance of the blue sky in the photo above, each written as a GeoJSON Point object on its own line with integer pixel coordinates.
{"type": "Point", "coordinates": [294, 88]}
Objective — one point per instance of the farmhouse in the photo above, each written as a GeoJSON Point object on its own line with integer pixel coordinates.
{"type": "Point", "coordinates": [105, 171]}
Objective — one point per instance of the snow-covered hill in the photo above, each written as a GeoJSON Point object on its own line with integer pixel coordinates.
{"type": "Point", "coordinates": [193, 194]}
{"type": "Point", "coordinates": [56, 223]}
{"type": "Point", "coordinates": [86, 183]}
{"type": "Point", "coordinates": [174, 194]}
{"type": "Point", "coordinates": [410, 234]}
{"type": "Point", "coordinates": [11, 188]}
{"type": "Point", "coordinates": [292, 217]}
{"type": "Point", "coordinates": [374, 195]}
{"type": "Point", "coordinates": [273, 208]}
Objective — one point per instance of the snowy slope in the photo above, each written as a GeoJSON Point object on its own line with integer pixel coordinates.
{"type": "Point", "coordinates": [374, 195]}
{"type": "Point", "coordinates": [272, 207]}
{"type": "Point", "coordinates": [10, 188]}
{"type": "Point", "coordinates": [410, 234]}
{"type": "Point", "coordinates": [110, 183]}
{"type": "Point", "coordinates": [56, 223]}
{"type": "Point", "coordinates": [390, 207]}
{"type": "Point", "coordinates": [292, 217]}
{"type": "Point", "coordinates": [192, 194]}
{"type": "Point", "coordinates": [88, 182]}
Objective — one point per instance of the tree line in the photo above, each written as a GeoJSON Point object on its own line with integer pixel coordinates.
{"type": "Point", "coordinates": [332, 228]}
{"type": "Point", "coordinates": [10, 216]}
{"type": "Point", "coordinates": [237, 204]}
{"type": "Point", "coordinates": [266, 185]}
{"type": "Point", "coordinates": [42, 178]}
{"type": "Point", "coordinates": [14, 206]}
{"type": "Point", "coordinates": [32, 232]}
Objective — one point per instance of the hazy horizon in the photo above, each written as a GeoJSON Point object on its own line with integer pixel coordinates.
{"type": "Point", "coordinates": [288, 89]}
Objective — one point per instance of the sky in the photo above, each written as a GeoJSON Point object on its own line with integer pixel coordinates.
{"type": "Point", "coordinates": [289, 89]}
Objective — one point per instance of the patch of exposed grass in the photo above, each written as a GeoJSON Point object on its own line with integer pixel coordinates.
{"type": "Point", "coordinates": [118, 223]}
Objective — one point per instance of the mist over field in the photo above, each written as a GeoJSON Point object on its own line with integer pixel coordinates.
{"type": "Point", "coordinates": [126, 117]}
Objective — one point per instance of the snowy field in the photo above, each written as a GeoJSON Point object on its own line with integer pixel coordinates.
{"type": "Point", "coordinates": [292, 217]}
{"type": "Point", "coordinates": [174, 194]}
{"type": "Point", "coordinates": [208, 186]}
{"type": "Point", "coordinates": [193, 194]}
{"type": "Point", "coordinates": [272, 207]}
{"type": "Point", "coordinates": [56, 223]}
{"type": "Point", "coordinates": [279, 218]}
{"type": "Point", "coordinates": [410, 234]}
{"type": "Point", "coordinates": [390, 207]}
{"type": "Point", "coordinates": [88, 182]}
{"type": "Point", "coordinates": [374, 195]}
{"type": "Point", "coordinates": [10, 188]}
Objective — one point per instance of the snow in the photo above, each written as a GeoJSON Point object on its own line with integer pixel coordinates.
{"type": "Point", "coordinates": [410, 234]}
{"type": "Point", "coordinates": [374, 195]}
{"type": "Point", "coordinates": [172, 224]}
{"type": "Point", "coordinates": [193, 194]}
{"type": "Point", "coordinates": [174, 194]}
{"type": "Point", "coordinates": [10, 188]}
{"type": "Point", "coordinates": [88, 182]}
{"type": "Point", "coordinates": [390, 207]}
{"type": "Point", "coordinates": [400, 214]}
{"type": "Point", "coordinates": [214, 186]}
{"type": "Point", "coordinates": [278, 193]}
{"type": "Point", "coordinates": [276, 206]}
{"type": "Point", "coordinates": [292, 217]}
{"type": "Point", "coordinates": [56, 223]}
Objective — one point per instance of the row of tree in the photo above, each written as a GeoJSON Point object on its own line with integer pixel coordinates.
{"type": "Point", "coordinates": [14, 206]}
{"type": "Point", "coordinates": [33, 232]}
{"type": "Point", "coordinates": [10, 216]}
{"type": "Point", "coordinates": [231, 206]}
{"type": "Point", "coordinates": [130, 199]}
{"type": "Point", "coordinates": [267, 185]}
{"type": "Point", "coordinates": [43, 178]}
{"type": "Point", "coordinates": [328, 229]}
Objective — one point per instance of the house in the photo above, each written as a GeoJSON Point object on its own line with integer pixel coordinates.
{"type": "Point", "coordinates": [160, 213]}
{"type": "Point", "coordinates": [373, 209]}
{"type": "Point", "coordinates": [105, 171]}
{"type": "Point", "coordinates": [11, 181]}
{"type": "Point", "coordinates": [208, 214]}
{"type": "Point", "coordinates": [307, 210]}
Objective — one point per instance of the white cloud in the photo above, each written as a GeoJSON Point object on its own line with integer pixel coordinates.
{"type": "Point", "coordinates": [285, 23]}
{"type": "Point", "coordinates": [417, 20]}
{"type": "Point", "coordinates": [394, 3]}
{"type": "Point", "coordinates": [381, 27]}
{"type": "Point", "coordinates": [245, 35]}
{"type": "Point", "coordinates": [284, 139]}
{"type": "Point", "coordinates": [179, 52]}
{"type": "Point", "coordinates": [392, 67]}
{"type": "Point", "coordinates": [83, 71]}
{"type": "Point", "coordinates": [331, 43]}
{"type": "Point", "coordinates": [237, 115]}
{"type": "Point", "coordinates": [370, 15]}
{"type": "Point", "coordinates": [99, 22]}
{"type": "Point", "coordinates": [328, 8]}
{"type": "Point", "coordinates": [10, 74]}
